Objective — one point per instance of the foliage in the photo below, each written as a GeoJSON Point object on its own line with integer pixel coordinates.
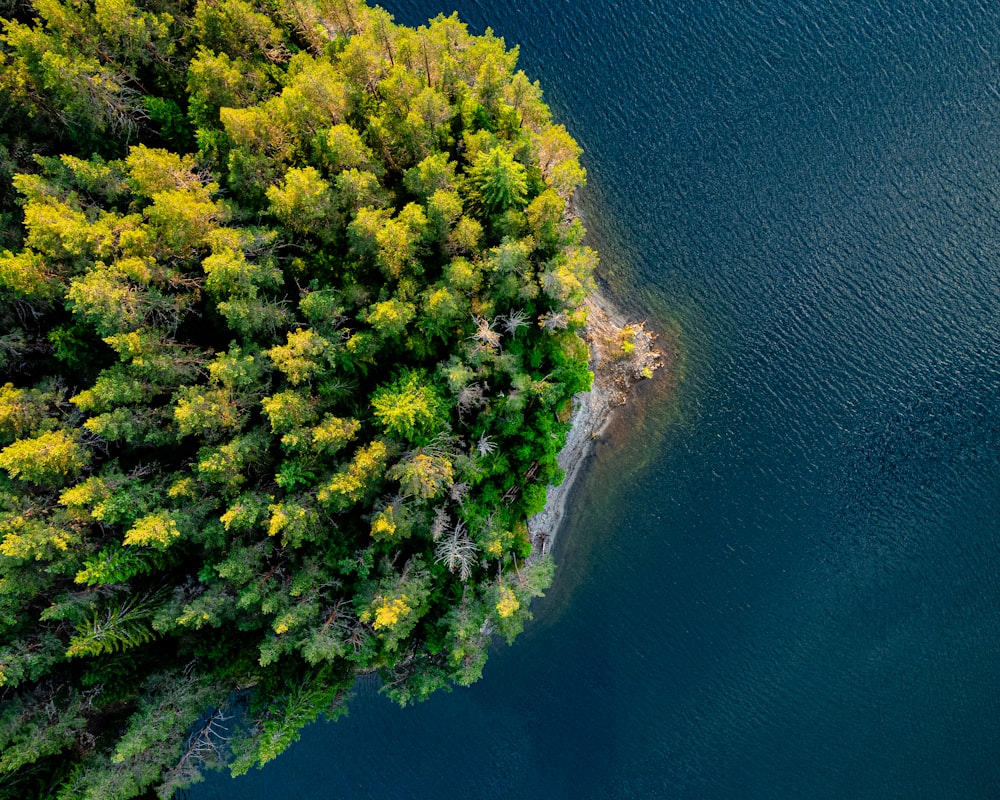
{"type": "Point", "coordinates": [289, 313]}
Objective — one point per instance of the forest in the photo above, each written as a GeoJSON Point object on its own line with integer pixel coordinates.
{"type": "Point", "coordinates": [290, 313]}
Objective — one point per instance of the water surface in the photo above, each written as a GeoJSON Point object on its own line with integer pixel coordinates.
{"type": "Point", "coordinates": [785, 582]}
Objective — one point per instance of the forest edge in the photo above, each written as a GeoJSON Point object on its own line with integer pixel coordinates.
{"type": "Point", "coordinates": [622, 354]}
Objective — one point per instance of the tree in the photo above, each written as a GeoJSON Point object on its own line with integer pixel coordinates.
{"type": "Point", "coordinates": [49, 458]}
{"type": "Point", "coordinates": [390, 317]}
{"type": "Point", "coordinates": [304, 202]}
{"type": "Point", "coordinates": [358, 478]}
{"type": "Point", "coordinates": [497, 182]}
{"type": "Point", "coordinates": [303, 357]}
{"type": "Point", "coordinates": [424, 475]}
{"type": "Point", "coordinates": [121, 625]}
{"type": "Point", "coordinates": [558, 160]}
{"type": "Point", "coordinates": [409, 408]}
{"type": "Point", "coordinates": [457, 551]}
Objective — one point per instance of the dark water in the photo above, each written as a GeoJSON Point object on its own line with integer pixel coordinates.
{"type": "Point", "coordinates": [785, 583]}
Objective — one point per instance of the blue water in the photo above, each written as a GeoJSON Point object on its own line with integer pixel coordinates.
{"type": "Point", "coordinates": [784, 580]}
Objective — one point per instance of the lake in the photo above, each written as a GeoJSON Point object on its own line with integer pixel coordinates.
{"type": "Point", "coordinates": [783, 579]}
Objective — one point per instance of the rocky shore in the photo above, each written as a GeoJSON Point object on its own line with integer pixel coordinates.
{"type": "Point", "coordinates": [622, 354]}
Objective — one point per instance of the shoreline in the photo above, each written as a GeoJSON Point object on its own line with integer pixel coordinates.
{"type": "Point", "coordinates": [621, 355]}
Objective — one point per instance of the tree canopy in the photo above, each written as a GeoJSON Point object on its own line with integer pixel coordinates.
{"type": "Point", "coordinates": [290, 303]}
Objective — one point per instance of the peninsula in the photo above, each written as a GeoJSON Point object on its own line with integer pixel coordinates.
{"type": "Point", "coordinates": [291, 318]}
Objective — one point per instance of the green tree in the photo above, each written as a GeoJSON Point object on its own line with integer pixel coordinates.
{"type": "Point", "coordinates": [497, 182]}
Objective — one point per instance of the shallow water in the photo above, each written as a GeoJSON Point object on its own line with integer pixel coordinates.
{"type": "Point", "coordinates": [785, 582]}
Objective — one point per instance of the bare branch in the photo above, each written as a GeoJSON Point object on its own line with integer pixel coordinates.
{"type": "Point", "coordinates": [554, 321]}
{"type": "Point", "coordinates": [485, 335]}
{"type": "Point", "coordinates": [458, 551]}
{"type": "Point", "coordinates": [441, 523]}
{"type": "Point", "coordinates": [514, 320]}
{"type": "Point", "coordinates": [485, 446]}
{"type": "Point", "coordinates": [471, 396]}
